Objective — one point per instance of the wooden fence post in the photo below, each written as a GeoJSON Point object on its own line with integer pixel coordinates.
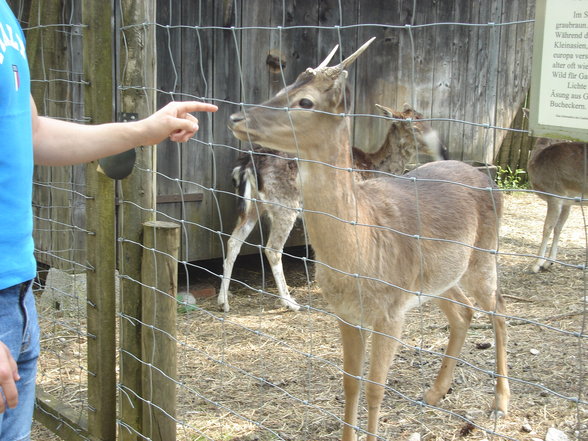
{"type": "Point", "coordinates": [101, 246]}
{"type": "Point", "coordinates": [159, 275]}
{"type": "Point", "coordinates": [136, 100]}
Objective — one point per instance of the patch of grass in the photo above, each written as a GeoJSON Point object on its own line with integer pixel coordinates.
{"type": "Point", "coordinates": [509, 179]}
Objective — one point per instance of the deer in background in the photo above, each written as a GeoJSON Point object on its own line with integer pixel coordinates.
{"type": "Point", "coordinates": [560, 171]}
{"type": "Point", "coordinates": [271, 178]}
{"type": "Point", "coordinates": [388, 244]}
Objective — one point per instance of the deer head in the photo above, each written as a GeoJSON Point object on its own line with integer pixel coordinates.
{"type": "Point", "coordinates": [300, 113]}
{"type": "Point", "coordinates": [407, 128]}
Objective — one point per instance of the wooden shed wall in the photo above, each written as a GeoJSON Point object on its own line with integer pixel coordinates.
{"type": "Point", "coordinates": [451, 63]}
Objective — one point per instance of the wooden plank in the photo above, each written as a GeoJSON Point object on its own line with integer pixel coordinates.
{"type": "Point", "coordinates": [508, 100]}
{"type": "Point", "coordinates": [226, 86]}
{"type": "Point", "coordinates": [62, 419]}
{"type": "Point", "coordinates": [52, 58]}
{"type": "Point", "coordinates": [253, 51]}
{"type": "Point", "coordinates": [247, 57]}
{"type": "Point", "coordinates": [199, 169]}
{"type": "Point", "coordinates": [485, 144]}
{"type": "Point", "coordinates": [295, 47]}
{"type": "Point", "coordinates": [464, 104]}
{"type": "Point", "coordinates": [514, 82]}
{"type": "Point", "coordinates": [522, 143]}
{"type": "Point", "coordinates": [450, 53]}
{"type": "Point", "coordinates": [373, 81]}
{"type": "Point", "coordinates": [480, 74]}
{"type": "Point", "coordinates": [432, 77]}
{"type": "Point", "coordinates": [525, 38]}
{"type": "Point", "coordinates": [169, 84]}
{"type": "Point", "coordinates": [179, 198]}
{"type": "Point", "coordinates": [55, 68]}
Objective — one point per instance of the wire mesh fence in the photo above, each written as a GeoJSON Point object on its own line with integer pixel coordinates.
{"type": "Point", "coordinates": [261, 371]}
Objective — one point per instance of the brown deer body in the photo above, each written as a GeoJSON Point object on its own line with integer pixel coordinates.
{"type": "Point", "coordinates": [270, 179]}
{"type": "Point", "coordinates": [387, 244]}
{"type": "Point", "coordinates": [560, 171]}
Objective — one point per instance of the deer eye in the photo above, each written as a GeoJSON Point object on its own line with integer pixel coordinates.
{"type": "Point", "coordinates": [305, 103]}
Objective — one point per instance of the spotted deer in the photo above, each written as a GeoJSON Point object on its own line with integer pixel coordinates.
{"type": "Point", "coordinates": [384, 245]}
{"type": "Point", "coordinates": [267, 183]}
{"type": "Point", "coordinates": [559, 171]}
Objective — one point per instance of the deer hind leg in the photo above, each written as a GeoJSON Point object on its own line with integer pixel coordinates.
{"type": "Point", "coordinates": [459, 314]}
{"type": "Point", "coordinates": [353, 340]}
{"type": "Point", "coordinates": [502, 396]}
{"type": "Point", "coordinates": [245, 225]}
{"type": "Point", "coordinates": [490, 299]}
{"type": "Point", "coordinates": [554, 211]}
{"type": "Point", "coordinates": [282, 222]}
{"type": "Point", "coordinates": [384, 345]}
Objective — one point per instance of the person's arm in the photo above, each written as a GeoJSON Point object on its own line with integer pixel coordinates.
{"type": "Point", "coordinates": [8, 377]}
{"type": "Point", "coordinates": [59, 142]}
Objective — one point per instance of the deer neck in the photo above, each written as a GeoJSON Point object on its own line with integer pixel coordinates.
{"type": "Point", "coordinates": [393, 154]}
{"type": "Point", "coordinates": [329, 194]}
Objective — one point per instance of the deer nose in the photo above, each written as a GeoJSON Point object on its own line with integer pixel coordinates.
{"type": "Point", "coordinates": [237, 117]}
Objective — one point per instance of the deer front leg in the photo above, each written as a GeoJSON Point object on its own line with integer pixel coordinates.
{"type": "Point", "coordinates": [553, 213]}
{"type": "Point", "coordinates": [282, 222]}
{"type": "Point", "coordinates": [244, 226]}
{"type": "Point", "coordinates": [459, 318]}
{"type": "Point", "coordinates": [353, 342]}
{"type": "Point", "coordinates": [384, 344]}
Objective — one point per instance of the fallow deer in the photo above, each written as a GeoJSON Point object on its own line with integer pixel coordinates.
{"type": "Point", "coordinates": [270, 179]}
{"type": "Point", "coordinates": [559, 170]}
{"type": "Point", "coordinates": [384, 245]}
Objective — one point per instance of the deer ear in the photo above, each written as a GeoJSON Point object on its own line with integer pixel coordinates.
{"type": "Point", "coordinates": [348, 97]}
{"type": "Point", "coordinates": [341, 95]}
{"type": "Point", "coordinates": [385, 110]}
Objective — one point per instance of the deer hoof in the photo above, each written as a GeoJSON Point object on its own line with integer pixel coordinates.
{"type": "Point", "coordinates": [223, 304]}
{"type": "Point", "coordinates": [433, 397]}
{"type": "Point", "coordinates": [497, 414]}
{"type": "Point", "coordinates": [291, 304]}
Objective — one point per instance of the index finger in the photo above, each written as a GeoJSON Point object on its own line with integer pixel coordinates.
{"type": "Point", "coordinates": [8, 376]}
{"type": "Point", "coordinates": [195, 106]}
{"type": "Point", "coordinates": [10, 393]}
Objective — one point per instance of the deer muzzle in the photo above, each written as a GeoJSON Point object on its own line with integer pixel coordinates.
{"type": "Point", "coordinates": [237, 124]}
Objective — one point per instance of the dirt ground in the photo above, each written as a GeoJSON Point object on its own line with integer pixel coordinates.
{"type": "Point", "coordinates": [261, 373]}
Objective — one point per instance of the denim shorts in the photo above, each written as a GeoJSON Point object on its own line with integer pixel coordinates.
{"type": "Point", "coordinates": [19, 330]}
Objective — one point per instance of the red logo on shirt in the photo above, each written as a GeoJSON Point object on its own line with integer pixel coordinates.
{"type": "Point", "coordinates": [16, 77]}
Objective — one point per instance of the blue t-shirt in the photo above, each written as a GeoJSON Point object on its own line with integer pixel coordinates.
{"type": "Point", "coordinates": [17, 261]}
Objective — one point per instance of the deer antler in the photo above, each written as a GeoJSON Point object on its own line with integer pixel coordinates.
{"type": "Point", "coordinates": [351, 58]}
{"type": "Point", "coordinates": [324, 63]}
{"type": "Point", "coordinates": [329, 58]}
{"type": "Point", "coordinates": [335, 71]}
